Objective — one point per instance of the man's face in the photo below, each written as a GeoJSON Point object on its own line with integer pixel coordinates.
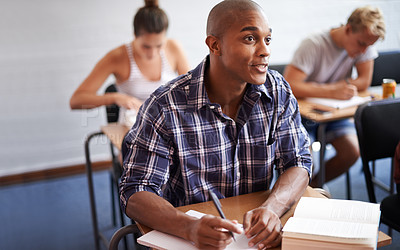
{"type": "Point", "coordinates": [245, 48]}
{"type": "Point", "coordinates": [358, 42]}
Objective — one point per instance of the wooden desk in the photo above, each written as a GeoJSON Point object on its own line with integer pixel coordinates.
{"type": "Point", "coordinates": [307, 111]}
{"type": "Point", "coordinates": [237, 206]}
{"type": "Point", "coordinates": [115, 132]}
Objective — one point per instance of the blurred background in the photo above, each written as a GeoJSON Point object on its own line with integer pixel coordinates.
{"type": "Point", "coordinates": [47, 48]}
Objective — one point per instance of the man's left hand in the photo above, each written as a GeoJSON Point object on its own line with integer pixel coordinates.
{"type": "Point", "coordinates": [264, 226]}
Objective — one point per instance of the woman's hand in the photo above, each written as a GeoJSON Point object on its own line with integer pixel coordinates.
{"type": "Point", "coordinates": [127, 101]}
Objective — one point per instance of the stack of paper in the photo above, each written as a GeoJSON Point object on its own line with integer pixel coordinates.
{"type": "Point", "coordinates": [338, 104]}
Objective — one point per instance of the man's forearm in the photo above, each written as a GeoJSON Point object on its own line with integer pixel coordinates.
{"type": "Point", "coordinates": [287, 190]}
{"type": "Point", "coordinates": [155, 212]}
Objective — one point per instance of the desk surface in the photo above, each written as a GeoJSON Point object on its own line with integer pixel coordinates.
{"type": "Point", "coordinates": [239, 205]}
{"type": "Point", "coordinates": [306, 110]}
{"type": "Point", "coordinates": [115, 132]}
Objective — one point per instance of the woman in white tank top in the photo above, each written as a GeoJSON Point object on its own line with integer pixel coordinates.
{"type": "Point", "coordinates": [139, 67]}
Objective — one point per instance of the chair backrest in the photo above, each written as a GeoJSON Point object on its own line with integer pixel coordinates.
{"type": "Point", "coordinates": [113, 109]}
{"type": "Point", "coordinates": [120, 233]}
{"type": "Point", "coordinates": [278, 67]}
{"type": "Point", "coordinates": [378, 128]}
{"type": "Point", "coordinates": [387, 65]}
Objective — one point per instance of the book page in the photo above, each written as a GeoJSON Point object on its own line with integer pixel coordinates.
{"type": "Point", "coordinates": [160, 240]}
{"type": "Point", "coordinates": [337, 231]}
{"type": "Point", "coordinates": [338, 104]}
{"type": "Point", "coordinates": [338, 210]}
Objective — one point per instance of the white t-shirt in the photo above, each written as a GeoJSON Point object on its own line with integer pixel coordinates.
{"type": "Point", "coordinates": [324, 62]}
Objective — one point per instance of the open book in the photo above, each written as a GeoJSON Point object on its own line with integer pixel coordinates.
{"type": "Point", "coordinates": [160, 240]}
{"type": "Point", "coordinates": [332, 224]}
{"type": "Point", "coordinates": [338, 104]}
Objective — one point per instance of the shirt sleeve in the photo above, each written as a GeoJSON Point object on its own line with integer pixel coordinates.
{"type": "Point", "coordinates": [147, 154]}
{"type": "Point", "coordinates": [305, 56]}
{"type": "Point", "coordinates": [370, 54]}
{"type": "Point", "coordinates": [291, 137]}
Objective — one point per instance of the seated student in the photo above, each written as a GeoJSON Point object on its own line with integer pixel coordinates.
{"type": "Point", "coordinates": [223, 126]}
{"type": "Point", "coordinates": [139, 67]}
{"type": "Point", "coordinates": [322, 67]}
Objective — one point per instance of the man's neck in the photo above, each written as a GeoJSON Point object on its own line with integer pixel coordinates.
{"type": "Point", "coordinates": [338, 35]}
{"type": "Point", "coordinates": [224, 92]}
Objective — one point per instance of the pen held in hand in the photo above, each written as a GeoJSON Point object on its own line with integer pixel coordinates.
{"type": "Point", "coordinates": [218, 206]}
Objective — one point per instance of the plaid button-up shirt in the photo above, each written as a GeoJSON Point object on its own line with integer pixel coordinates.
{"type": "Point", "coordinates": [182, 144]}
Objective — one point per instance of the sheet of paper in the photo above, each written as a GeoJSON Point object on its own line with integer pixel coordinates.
{"type": "Point", "coordinates": [159, 240]}
{"type": "Point", "coordinates": [347, 230]}
{"type": "Point", "coordinates": [338, 104]}
{"type": "Point", "coordinates": [338, 210]}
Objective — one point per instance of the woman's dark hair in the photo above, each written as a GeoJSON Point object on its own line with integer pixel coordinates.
{"type": "Point", "coordinates": [150, 19]}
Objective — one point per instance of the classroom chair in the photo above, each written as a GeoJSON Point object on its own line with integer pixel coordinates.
{"type": "Point", "coordinates": [278, 67]}
{"type": "Point", "coordinates": [386, 65]}
{"type": "Point", "coordinates": [377, 125]}
{"type": "Point", "coordinates": [390, 205]}
{"type": "Point", "coordinates": [116, 170]}
{"type": "Point", "coordinates": [122, 233]}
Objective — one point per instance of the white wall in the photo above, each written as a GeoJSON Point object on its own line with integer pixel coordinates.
{"type": "Point", "coordinates": [48, 47]}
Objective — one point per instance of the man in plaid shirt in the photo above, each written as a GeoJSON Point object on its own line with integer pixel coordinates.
{"type": "Point", "coordinates": [223, 126]}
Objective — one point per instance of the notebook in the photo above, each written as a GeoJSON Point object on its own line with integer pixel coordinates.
{"type": "Point", "coordinates": [160, 240]}
{"type": "Point", "coordinates": [339, 104]}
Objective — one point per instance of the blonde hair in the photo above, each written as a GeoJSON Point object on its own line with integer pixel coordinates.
{"type": "Point", "coordinates": [368, 18]}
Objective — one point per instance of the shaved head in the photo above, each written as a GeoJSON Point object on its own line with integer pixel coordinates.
{"type": "Point", "coordinates": [226, 13]}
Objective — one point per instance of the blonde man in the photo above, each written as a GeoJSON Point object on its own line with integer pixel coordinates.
{"type": "Point", "coordinates": [322, 67]}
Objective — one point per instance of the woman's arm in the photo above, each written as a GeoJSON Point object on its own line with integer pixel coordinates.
{"type": "Point", "coordinates": [86, 97]}
{"type": "Point", "coordinates": [176, 57]}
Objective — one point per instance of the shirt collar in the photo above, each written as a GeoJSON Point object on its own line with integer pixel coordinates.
{"type": "Point", "coordinates": [198, 97]}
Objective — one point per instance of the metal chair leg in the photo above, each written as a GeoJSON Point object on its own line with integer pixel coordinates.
{"type": "Point", "coordinates": [89, 175]}
{"type": "Point", "coordinates": [348, 184]}
{"type": "Point", "coordinates": [114, 217]}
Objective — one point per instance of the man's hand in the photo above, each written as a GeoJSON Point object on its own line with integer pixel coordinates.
{"type": "Point", "coordinates": [207, 232]}
{"type": "Point", "coordinates": [264, 226]}
{"type": "Point", "coordinates": [343, 91]}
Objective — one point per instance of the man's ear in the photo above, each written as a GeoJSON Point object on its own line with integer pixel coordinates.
{"type": "Point", "coordinates": [348, 29]}
{"type": "Point", "coordinates": [213, 44]}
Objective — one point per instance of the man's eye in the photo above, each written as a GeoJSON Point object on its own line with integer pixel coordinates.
{"type": "Point", "coordinates": [268, 40]}
{"type": "Point", "coordinates": [250, 38]}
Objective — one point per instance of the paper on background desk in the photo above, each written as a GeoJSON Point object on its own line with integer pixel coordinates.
{"type": "Point", "coordinates": [339, 104]}
{"type": "Point", "coordinates": [159, 240]}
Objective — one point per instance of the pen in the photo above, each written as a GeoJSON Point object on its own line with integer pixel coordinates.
{"type": "Point", "coordinates": [218, 206]}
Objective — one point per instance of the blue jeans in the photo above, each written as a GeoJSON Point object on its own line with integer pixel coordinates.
{"type": "Point", "coordinates": [333, 129]}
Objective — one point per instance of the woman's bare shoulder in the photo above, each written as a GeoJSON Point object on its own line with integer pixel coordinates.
{"type": "Point", "coordinates": [118, 54]}
{"type": "Point", "coordinates": [173, 45]}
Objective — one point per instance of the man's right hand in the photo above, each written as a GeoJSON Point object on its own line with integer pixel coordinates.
{"type": "Point", "coordinates": [208, 233]}
{"type": "Point", "coordinates": [343, 90]}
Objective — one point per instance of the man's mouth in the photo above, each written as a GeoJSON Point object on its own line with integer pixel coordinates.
{"type": "Point", "coordinates": [261, 67]}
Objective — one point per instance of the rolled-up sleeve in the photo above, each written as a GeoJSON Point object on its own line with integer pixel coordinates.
{"type": "Point", "coordinates": [292, 139]}
{"type": "Point", "coordinates": [146, 156]}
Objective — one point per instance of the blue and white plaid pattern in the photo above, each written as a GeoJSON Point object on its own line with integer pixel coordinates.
{"type": "Point", "coordinates": [182, 145]}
